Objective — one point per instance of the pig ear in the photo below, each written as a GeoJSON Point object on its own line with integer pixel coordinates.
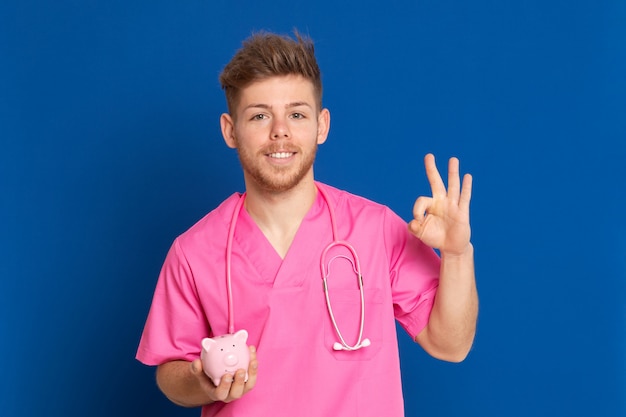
{"type": "Point", "coordinates": [241, 335]}
{"type": "Point", "coordinates": [207, 343]}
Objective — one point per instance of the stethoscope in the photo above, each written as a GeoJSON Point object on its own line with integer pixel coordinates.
{"type": "Point", "coordinates": [325, 269]}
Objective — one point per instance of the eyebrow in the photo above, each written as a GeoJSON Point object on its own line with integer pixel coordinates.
{"type": "Point", "coordinates": [298, 104]}
{"type": "Point", "coordinates": [287, 106]}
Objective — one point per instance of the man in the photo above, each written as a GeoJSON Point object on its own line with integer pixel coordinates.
{"type": "Point", "coordinates": [316, 356]}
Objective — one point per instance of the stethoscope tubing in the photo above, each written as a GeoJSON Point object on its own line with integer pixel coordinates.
{"type": "Point", "coordinates": [325, 267]}
{"type": "Point", "coordinates": [325, 270]}
{"type": "Point", "coordinates": [229, 253]}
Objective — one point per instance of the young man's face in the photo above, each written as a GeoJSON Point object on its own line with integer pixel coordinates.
{"type": "Point", "coordinates": [276, 130]}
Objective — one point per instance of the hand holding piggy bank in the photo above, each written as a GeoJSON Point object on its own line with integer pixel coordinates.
{"type": "Point", "coordinates": [224, 355]}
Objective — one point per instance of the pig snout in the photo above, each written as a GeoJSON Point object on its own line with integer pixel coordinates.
{"type": "Point", "coordinates": [230, 359]}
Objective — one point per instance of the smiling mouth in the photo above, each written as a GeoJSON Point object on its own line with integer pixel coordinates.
{"type": "Point", "coordinates": [281, 155]}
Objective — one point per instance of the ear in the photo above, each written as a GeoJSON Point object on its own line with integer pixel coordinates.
{"type": "Point", "coordinates": [228, 130]}
{"type": "Point", "coordinates": [207, 343]}
{"type": "Point", "coordinates": [323, 126]}
{"type": "Point", "coordinates": [241, 335]}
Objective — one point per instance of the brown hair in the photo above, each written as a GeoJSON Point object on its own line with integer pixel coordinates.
{"type": "Point", "coordinates": [264, 55]}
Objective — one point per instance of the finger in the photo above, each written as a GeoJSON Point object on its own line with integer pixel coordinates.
{"type": "Point", "coordinates": [454, 181]}
{"type": "Point", "coordinates": [420, 212]}
{"type": "Point", "coordinates": [240, 385]}
{"type": "Point", "coordinates": [205, 382]}
{"type": "Point", "coordinates": [421, 206]}
{"type": "Point", "coordinates": [434, 178]}
{"type": "Point", "coordinates": [237, 387]}
{"type": "Point", "coordinates": [466, 192]}
{"type": "Point", "coordinates": [253, 368]}
{"type": "Point", "coordinates": [416, 228]}
{"type": "Point", "coordinates": [223, 389]}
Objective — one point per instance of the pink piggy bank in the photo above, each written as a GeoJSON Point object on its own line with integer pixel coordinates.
{"type": "Point", "coordinates": [224, 355]}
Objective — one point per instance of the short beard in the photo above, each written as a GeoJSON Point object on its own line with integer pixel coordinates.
{"type": "Point", "coordinates": [279, 179]}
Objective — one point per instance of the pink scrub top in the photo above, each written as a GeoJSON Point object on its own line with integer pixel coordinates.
{"type": "Point", "coordinates": [281, 303]}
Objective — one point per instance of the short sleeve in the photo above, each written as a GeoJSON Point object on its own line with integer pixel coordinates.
{"type": "Point", "coordinates": [176, 322]}
{"type": "Point", "coordinates": [414, 274]}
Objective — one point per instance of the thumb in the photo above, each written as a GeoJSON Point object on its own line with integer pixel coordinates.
{"type": "Point", "coordinates": [196, 367]}
{"type": "Point", "coordinates": [416, 227]}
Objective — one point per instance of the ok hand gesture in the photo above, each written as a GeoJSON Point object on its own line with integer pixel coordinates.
{"type": "Point", "coordinates": [442, 221]}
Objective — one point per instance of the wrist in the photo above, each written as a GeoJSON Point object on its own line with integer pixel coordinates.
{"type": "Point", "coordinates": [468, 251]}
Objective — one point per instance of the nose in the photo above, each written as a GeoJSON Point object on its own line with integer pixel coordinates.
{"type": "Point", "coordinates": [280, 130]}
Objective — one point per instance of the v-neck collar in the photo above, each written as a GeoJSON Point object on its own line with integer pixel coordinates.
{"type": "Point", "coordinates": [303, 254]}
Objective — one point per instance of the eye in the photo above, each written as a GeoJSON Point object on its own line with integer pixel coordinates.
{"type": "Point", "coordinates": [297, 116]}
{"type": "Point", "coordinates": [259, 116]}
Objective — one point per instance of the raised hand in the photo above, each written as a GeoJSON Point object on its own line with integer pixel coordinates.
{"type": "Point", "coordinates": [442, 221]}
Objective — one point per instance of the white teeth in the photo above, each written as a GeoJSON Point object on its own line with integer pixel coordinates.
{"type": "Point", "coordinates": [281, 155]}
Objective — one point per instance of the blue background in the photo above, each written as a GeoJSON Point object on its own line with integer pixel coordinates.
{"type": "Point", "coordinates": [110, 147]}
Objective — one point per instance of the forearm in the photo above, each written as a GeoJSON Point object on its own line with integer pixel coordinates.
{"type": "Point", "coordinates": [452, 325]}
{"type": "Point", "coordinates": [180, 385]}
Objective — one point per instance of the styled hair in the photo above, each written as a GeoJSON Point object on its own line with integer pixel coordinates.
{"type": "Point", "coordinates": [264, 55]}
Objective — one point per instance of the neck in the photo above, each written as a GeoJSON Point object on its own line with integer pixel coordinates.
{"type": "Point", "coordinates": [279, 215]}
